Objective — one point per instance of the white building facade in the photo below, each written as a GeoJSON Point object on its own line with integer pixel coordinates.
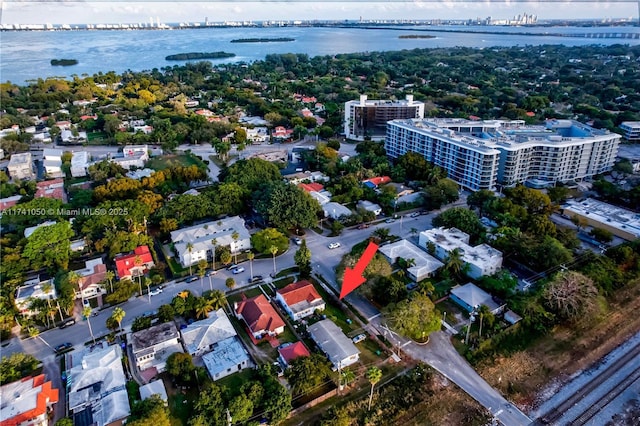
{"type": "Point", "coordinates": [21, 167]}
{"type": "Point", "coordinates": [480, 154]}
{"type": "Point", "coordinates": [368, 118]}
{"type": "Point", "coordinates": [631, 130]}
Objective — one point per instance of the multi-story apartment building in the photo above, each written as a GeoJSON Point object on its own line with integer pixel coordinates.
{"type": "Point", "coordinates": [631, 130]}
{"type": "Point", "coordinates": [368, 118]}
{"type": "Point", "coordinates": [21, 167]}
{"type": "Point", "coordinates": [480, 154]}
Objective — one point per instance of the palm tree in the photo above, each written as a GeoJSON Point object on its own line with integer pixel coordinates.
{"type": "Point", "coordinates": [225, 257]}
{"type": "Point", "coordinates": [87, 313]}
{"type": "Point", "coordinates": [218, 299]}
{"type": "Point", "coordinates": [190, 250]}
{"type": "Point", "coordinates": [251, 256]}
{"type": "Point", "coordinates": [373, 375]}
{"type": "Point", "coordinates": [109, 276]}
{"type": "Point", "coordinates": [203, 306]}
{"type": "Point", "coordinates": [73, 278]}
{"type": "Point", "coordinates": [118, 315]}
{"type": "Point", "coordinates": [273, 250]}
{"type": "Point", "coordinates": [59, 310]}
{"type": "Point", "coordinates": [51, 311]}
{"type": "Point", "coordinates": [454, 262]}
{"type": "Point", "coordinates": [202, 268]}
{"type": "Point", "coordinates": [235, 237]}
{"type": "Point", "coordinates": [347, 376]}
{"type": "Point", "coordinates": [147, 283]}
{"type": "Point", "coordinates": [230, 283]}
{"type": "Point", "coordinates": [214, 243]}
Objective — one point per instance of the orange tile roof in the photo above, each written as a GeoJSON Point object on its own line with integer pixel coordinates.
{"type": "Point", "coordinates": [46, 396]}
{"type": "Point", "coordinates": [311, 187]}
{"type": "Point", "coordinates": [124, 263]}
{"type": "Point", "coordinates": [259, 314]}
{"type": "Point", "coordinates": [298, 292]}
{"type": "Point", "coordinates": [294, 351]}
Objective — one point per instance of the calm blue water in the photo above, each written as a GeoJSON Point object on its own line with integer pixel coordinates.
{"type": "Point", "coordinates": [26, 55]}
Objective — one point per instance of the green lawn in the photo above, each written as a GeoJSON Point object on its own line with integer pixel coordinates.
{"type": "Point", "coordinates": [281, 283]}
{"type": "Point", "coordinates": [166, 161]}
{"type": "Point", "coordinates": [236, 297]}
{"type": "Point", "coordinates": [236, 380]}
{"type": "Point", "coordinates": [287, 336]}
{"type": "Point", "coordinates": [451, 309]}
{"type": "Point", "coordinates": [96, 136]}
{"type": "Point", "coordinates": [334, 312]}
{"type": "Point", "coordinates": [288, 271]}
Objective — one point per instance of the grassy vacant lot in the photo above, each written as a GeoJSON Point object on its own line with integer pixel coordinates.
{"type": "Point", "coordinates": [564, 351]}
{"type": "Point", "coordinates": [166, 161]}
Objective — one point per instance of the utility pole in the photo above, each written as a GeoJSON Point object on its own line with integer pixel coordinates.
{"type": "Point", "coordinates": [466, 340]}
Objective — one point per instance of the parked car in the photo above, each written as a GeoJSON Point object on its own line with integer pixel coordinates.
{"type": "Point", "coordinates": [155, 292]}
{"type": "Point", "coordinates": [359, 338]}
{"type": "Point", "coordinates": [334, 245]}
{"type": "Point", "coordinates": [86, 303]}
{"type": "Point", "coordinates": [232, 267]}
{"type": "Point", "coordinates": [297, 240]}
{"type": "Point", "coordinates": [414, 214]}
{"type": "Point", "coordinates": [257, 278]}
{"type": "Point", "coordinates": [364, 226]}
{"type": "Point", "coordinates": [412, 286]}
{"type": "Point", "coordinates": [63, 347]}
{"type": "Point", "coordinates": [68, 323]}
{"type": "Point", "coordinates": [390, 220]}
{"type": "Point", "coordinates": [238, 270]}
{"type": "Point", "coordinates": [193, 278]}
{"type": "Point", "coordinates": [210, 272]}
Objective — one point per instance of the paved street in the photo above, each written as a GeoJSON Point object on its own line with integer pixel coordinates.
{"type": "Point", "coordinates": [439, 353]}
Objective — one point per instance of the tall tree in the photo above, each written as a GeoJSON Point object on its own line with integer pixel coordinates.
{"type": "Point", "coordinates": [303, 259]}
{"type": "Point", "coordinates": [573, 297]}
{"type": "Point", "coordinates": [374, 374]}
{"type": "Point", "coordinates": [190, 250]}
{"type": "Point", "coordinates": [251, 256]}
{"type": "Point", "coordinates": [86, 312]}
{"type": "Point", "coordinates": [49, 246]}
{"type": "Point", "coordinates": [273, 250]}
{"type": "Point", "coordinates": [118, 315]}
{"type": "Point", "coordinates": [415, 318]}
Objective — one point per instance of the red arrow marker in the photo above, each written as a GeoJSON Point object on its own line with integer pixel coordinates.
{"type": "Point", "coordinates": [353, 277]}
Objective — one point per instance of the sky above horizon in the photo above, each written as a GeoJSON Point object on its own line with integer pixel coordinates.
{"type": "Point", "coordinates": [115, 11]}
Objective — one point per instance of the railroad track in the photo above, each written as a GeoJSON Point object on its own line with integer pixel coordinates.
{"type": "Point", "coordinates": [607, 398]}
{"type": "Point", "coordinates": [556, 413]}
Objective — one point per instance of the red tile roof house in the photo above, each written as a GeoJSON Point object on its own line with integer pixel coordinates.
{"type": "Point", "coordinates": [291, 352]}
{"type": "Point", "coordinates": [300, 300]}
{"type": "Point", "coordinates": [311, 187]}
{"type": "Point", "coordinates": [126, 266]}
{"type": "Point", "coordinates": [51, 189]}
{"type": "Point", "coordinates": [261, 318]}
{"type": "Point", "coordinates": [27, 402]}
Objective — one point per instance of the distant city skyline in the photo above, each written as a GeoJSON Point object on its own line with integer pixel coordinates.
{"type": "Point", "coordinates": [95, 12]}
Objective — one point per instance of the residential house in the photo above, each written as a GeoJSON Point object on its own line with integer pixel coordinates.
{"type": "Point", "coordinates": [424, 265]}
{"type": "Point", "coordinates": [332, 341]}
{"type": "Point", "coordinates": [68, 137]}
{"type": "Point", "coordinates": [375, 182]}
{"type": "Point", "coordinates": [369, 206]}
{"type": "Point", "coordinates": [300, 299]}
{"type": "Point", "coordinates": [300, 177]}
{"type": "Point", "coordinates": [257, 135]}
{"type": "Point", "coordinates": [134, 264]}
{"type": "Point", "coordinates": [151, 347]}
{"type": "Point", "coordinates": [482, 259]}
{"type": "Point", "coordinates": [96, 386]}
{"type": "Point", "coordinates": [261, 318]}
{"type": "Point", "coordinates": [201, 336]}
{"type": "Point", "coordinates": [27, 402]}
{"type": "Point", "coordinates": [133, 156]}
{"type": "Point", "coordinates": [52, 162]}
{"type": "Point", "coordinates": [8, 202]}
{"type": "Point", "coordinates": [471, 297]}
{"type": "Point", "coordinates": [228, 356]}
{"type": "Point", "coordinates": [286, 354]}
{"type": "Point", "coordinates": [155, 387]}
{"type": "Point", "coordinates": [317, 192]}
{"type": "Point", "coordinates": [21, 167]}
{"type": "Point", "coordinates": [94, 272]}
{"type": "Point", "coordinates": [51, 189]}
{"type": "Point", "coordinates": [30, 230]}
{"type": "Point", "coordinates": [400, 190]}
{"type": "Point", "coordinates": [194, 243]}
{"type": "Point", "coordinates": [34, 288]}
{"type": "Point", "coordinates": [140, 173]}
{"type": "Point", "coordinates": [335, 210]}
{"type": "Point", "coordinates": [79, 163]}
{"type": "Point", "coordinates": [282, 133]}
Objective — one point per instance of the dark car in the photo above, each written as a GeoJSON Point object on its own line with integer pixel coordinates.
{"type": "Point", "coordinates": [63, 347]}
{"type": "Point", "coordinates": [363, 226]}
{"type": "Point", "coordinates": [193, 278]}
{"type": "Point", "coordinates": [68, 323]}
{"type": "Point", "coordinates": [257, 278]}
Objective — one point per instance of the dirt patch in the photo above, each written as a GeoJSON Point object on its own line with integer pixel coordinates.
{"type": "Point", "coordinates": [523, 375]}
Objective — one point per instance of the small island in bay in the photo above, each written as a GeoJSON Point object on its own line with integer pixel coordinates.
{"type": "Point", "coordinates": [416, 36]}
{"type": "Point", "coordinates": [261, 40]}
{"type": "Point", "coordinates": [64, 62]}
{"type": "Point", "coordinates": [199, 55]}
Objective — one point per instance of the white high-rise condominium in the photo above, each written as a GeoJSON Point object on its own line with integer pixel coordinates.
{"type": "Point", "coordinates": [480, 154]}
{"type": "Point", "coordinates": [368, 118]}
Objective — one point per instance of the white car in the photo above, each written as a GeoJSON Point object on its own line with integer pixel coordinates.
{"type": "Point", "coordinates": [238, 270]}
{"type": "Point", "coordinates": [334, 245]}
{"type": "Point", "coordinates": [155, 292]}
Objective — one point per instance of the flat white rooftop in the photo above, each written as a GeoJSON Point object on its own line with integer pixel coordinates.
{"type": "Point", "coordinates": [616, 217]}
{"type": "Point", "coordinates": [425, 264]}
